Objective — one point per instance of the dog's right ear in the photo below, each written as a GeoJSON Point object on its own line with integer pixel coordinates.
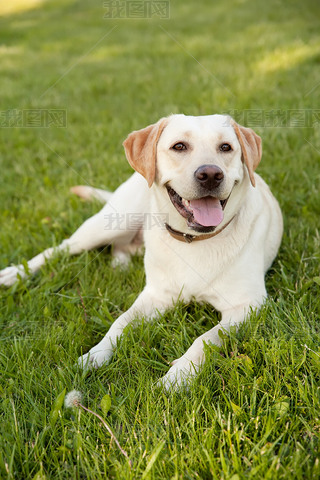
{"type": "Point", "coordinates": [251, 148]}
{"type": "Point", "coordinates": [141, 149]}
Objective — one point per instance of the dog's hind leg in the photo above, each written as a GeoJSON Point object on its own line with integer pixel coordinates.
{"type": "Point", "coordinates": [117, 224]}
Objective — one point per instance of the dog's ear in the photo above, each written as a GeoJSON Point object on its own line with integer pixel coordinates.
{"type": "Point", "coordinates": [141, 149]}
{"type": "Point", "coordinates": [251, 148]}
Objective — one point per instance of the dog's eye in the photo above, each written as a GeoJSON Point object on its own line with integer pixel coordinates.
{"type": "Point", "coordinates": [225, 147]}
{"type": "Point", "coordinates": [179, 146]}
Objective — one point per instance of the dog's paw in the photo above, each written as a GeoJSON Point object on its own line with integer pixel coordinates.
{"type": "Point", "coordinates": [120, 260]}
{"type": "Point", "coordinates": [95, 358]}
{"type": "Point", "coordinates": [179, 375]}
{"type": "Point", "coordinates": [9, 275]}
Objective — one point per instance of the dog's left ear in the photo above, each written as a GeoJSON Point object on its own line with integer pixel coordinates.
{"type": "Point", "coordinates": [251, 148]}
{"type": "Point", "coordinates": [141, 149]}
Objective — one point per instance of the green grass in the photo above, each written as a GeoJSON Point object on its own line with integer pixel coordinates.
{"type": "Point", "coordinates": [254, 410]}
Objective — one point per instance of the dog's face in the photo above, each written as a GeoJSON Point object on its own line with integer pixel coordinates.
{"type": "Point", "coordinates": [197, 161]}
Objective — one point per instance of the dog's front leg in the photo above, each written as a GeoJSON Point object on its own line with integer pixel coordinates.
{"type": "Point", "coordinates": [187, 366]}
{"type": "Point", "coordinates": [147, 305]}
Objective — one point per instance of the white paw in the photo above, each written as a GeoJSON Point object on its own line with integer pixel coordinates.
{"type": "Point", "coordinates": [95, 358]}
{"type": "Point", "coordinates": [120, 260]}
{"type": "Point", "coordinates": [9, 275]}
{"type": "Point", "coordinates": [180, 374]}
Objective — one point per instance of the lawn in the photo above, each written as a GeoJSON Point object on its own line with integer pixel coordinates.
{"type": "Point", "coordinates": [74, 82]}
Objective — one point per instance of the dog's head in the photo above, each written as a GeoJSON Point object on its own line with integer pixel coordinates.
{"type": "Point", "coordinates": [198, 161]}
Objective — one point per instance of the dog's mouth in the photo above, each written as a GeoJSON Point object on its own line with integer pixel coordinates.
{"type": "Point", "coordinates": [202, 214]}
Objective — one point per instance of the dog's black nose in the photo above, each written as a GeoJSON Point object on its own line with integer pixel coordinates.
{"type": "Point", "coordinates": [209, 176]}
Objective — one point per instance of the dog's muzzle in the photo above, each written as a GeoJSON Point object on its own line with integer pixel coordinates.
{"type": "Point", "coordinates": [203, 214]}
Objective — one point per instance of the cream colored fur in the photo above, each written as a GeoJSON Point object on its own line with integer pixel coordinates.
{"type": "Point", "coordinates": [226, 271]}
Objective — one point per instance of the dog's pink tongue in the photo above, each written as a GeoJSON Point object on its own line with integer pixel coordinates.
{"type": "Point", "coordinates": [207, 211]}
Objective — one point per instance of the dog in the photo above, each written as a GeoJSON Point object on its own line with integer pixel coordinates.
{"type": "Point", "coordinates": [211, 228]}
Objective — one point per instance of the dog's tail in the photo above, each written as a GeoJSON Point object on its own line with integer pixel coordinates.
{"type": "Point", "coordinates": [88, 193]}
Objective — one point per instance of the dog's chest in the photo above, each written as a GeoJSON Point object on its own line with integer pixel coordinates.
{"type": "Point", "coordinates": [188, 270]}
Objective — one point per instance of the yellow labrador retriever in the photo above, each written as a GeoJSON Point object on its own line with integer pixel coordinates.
{"type": "Point", "coordinates": [211, 227]}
